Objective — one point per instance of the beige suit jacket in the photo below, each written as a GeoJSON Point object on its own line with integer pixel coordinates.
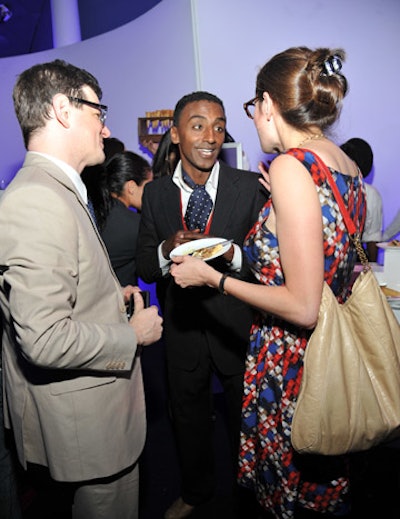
{"type": "Point", "coordinates": [72, 378]}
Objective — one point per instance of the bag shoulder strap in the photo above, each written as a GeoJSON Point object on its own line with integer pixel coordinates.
{"type": "Point", "coordinates": [351, 227]}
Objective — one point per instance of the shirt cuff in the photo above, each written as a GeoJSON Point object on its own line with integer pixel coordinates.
{"type": "Point", "coordinates": [164, 263]}
{"type": "Point", "coordinates": [236, 264]}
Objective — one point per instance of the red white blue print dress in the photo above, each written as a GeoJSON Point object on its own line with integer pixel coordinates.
{"type": "Point", "coordinates": [281, 478]}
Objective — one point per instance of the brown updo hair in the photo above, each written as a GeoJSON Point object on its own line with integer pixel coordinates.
{"type": "Point", "coordinates": [303, 84]}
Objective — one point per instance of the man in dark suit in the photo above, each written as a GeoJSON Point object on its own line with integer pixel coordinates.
{"type": "Point", "coordinates": [206, 332]}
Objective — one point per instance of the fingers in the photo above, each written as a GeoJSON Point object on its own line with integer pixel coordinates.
{"type": "Point", "coordinates": [179, 238]}
{"type": "Point", "coordinates": [265, 184]}
{"type": "Point", "coordinates": [187, 271]}
{"type": "Point", "coordinates": [264, 180]}
{"type": "Point", "coordinates": [185, 236]}
{"type": "Point", "coordinates": [177, 260]}
{"type": "Point", "coordinates": [147, 325]}
{"type": "Point", "coordinates": [139, 303]}
{"type": "Point", "coordinates": [228, 255]}
{"type": "Point", "coordinates": [263, 168]}
{"type": "Point", "coordinates": [128, 290]}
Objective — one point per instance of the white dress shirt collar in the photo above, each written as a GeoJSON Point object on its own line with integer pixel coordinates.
{"type": "Point", "coordinates": [211, 184]}
{"type": "Point", "coordinates": [71, 173]}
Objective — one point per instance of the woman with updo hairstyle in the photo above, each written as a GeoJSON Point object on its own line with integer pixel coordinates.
{"type": "Point", "coordinates": [306, 98]}
{"type": "Point", "coordinates": [118, 217]}
{"type": "Point", "coordinates": [298, 242]}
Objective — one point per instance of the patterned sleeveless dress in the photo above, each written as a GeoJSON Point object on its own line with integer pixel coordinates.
{"type": "Point", "coordinates": [281, 478]}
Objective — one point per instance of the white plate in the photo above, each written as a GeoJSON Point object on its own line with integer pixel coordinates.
{"type": "Point", "coordinates": [386, 245]}
{"type": "Point", "coordinates": [191, 246]}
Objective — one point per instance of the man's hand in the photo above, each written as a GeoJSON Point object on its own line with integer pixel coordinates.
{"type": "Point", "coordinates": [146, 322]}
{"type": "Point", "coordinates": [178, 238]}
{"type": "Point", "coordinates": [128, 290]}
{"type": "Point", "coordinates": [228, 256]}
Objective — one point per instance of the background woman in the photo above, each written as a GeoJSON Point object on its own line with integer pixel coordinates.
{"type": "Point", "coordinates": [124, 178]}
{"type": "Point", "coordinates": [166, 157]}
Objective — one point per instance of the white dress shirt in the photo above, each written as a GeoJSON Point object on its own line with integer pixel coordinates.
{"type": "Point", "coordinates": [393, 228]}
{"type": "Point", "coordinates": [373, 221]}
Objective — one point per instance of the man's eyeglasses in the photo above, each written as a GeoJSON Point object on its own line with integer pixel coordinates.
{"type": "Point", "coordinates": [250, 107]}
{"type": "Point", "coordinates": [103, 109]}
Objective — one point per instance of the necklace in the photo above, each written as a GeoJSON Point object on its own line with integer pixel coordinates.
{"type": "Point", "coordinates": [312, 137]}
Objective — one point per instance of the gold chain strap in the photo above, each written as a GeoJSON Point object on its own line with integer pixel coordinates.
{"type": "Point", "coordinates": [356, 239]}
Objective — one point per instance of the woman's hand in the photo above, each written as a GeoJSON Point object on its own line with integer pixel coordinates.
{"type": "Point", "coordinates": [263, 169]}
{"type": "Point", "coordinates": [193, 272]}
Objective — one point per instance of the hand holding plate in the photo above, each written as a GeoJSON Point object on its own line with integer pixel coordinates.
{"type": "Point", "coordinates": [178, 239]}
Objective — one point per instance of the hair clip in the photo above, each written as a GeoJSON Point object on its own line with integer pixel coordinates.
{"type": "Point", "coordinates": [332, 66]}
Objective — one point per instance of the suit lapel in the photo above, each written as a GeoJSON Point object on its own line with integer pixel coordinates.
{"type": "Point", "coordinates": [52, 169]}
{"type": "Point", "coordinates": [171, 206]}
{"type": "Point", "coordinates": [225, 203]}
{"type": "Point", "coordinates": [58, 174]}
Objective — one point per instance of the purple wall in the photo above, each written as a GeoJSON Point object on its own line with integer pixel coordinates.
{"type": "Point", "coordinates": [148, 64]}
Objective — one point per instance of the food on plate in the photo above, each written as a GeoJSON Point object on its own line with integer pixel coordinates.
{"type": "Point", "coordinates": [207, 252]}
{"type": "Point", "coordinates": [205, 248]}
{"type": "Point", "coordinates": [394, 243]}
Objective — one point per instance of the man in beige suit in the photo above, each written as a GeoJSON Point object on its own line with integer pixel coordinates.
{"type": "Point", "coordinates": [73, 384]}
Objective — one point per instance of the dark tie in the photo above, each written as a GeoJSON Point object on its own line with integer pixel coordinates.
{"type": "Point", "coordinates": [199, 206]}
{"type": "Point", "coordinates": [91, 210]}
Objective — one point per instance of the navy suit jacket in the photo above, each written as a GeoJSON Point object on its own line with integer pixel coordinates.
{"type": "Point", "coordinates": [194, 314]}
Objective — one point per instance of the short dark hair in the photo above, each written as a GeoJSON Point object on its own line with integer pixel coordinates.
{"type": "Point", "coordinates": [112, 146]}
{"type": "Point", "coordinates": [361, 152]}
{"type": "Point", "coordinates": [35, 88]}
{"type": "Point", "coordinates": [193, 97]}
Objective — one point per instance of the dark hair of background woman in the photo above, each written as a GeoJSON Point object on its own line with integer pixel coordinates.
{"type": "Point", "coordinates": [166, 157]}
{"type": "Point", "coordinates": [118, 170]}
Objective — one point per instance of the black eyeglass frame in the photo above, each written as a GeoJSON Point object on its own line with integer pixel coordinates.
{"type": "Point", "coordinates": [103, 109]}
{"type": "Point", "coordinates": [246, 105]}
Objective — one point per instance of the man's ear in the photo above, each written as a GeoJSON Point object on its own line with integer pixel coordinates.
{"type": "Point", "coordinates": [174, 135]}
{"type": "Point", "coordinates": [62, 109]}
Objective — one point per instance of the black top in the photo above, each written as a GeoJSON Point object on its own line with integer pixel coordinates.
{"type": "Point", "coordinates": [120, 235]}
